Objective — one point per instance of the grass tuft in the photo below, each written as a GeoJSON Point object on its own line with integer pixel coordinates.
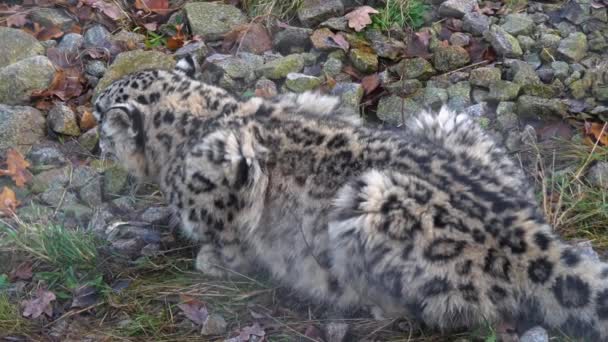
{"type": "Point", "coordinates": [11, 321]}
{"type": "Point", "coordinates": [282, 9]}
{"type": "Point", "coordinates": [400, 13]}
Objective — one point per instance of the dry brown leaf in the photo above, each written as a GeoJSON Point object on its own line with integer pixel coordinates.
{"type": "Point", "coordinates": [67, 83]}
{"type": "Point", "coordinates": [339, 39]}
{"type": "Point", "coordinates": [370, 83]}
{"type": "Point", "coordinates": [8, 202]}
{"type": "Point", "coordinates": [16, 168]}
{"type": "Point", "coordinates": [194, 309]}
{"type": "Point", "coordinates": [108, 8]}
{"type": "Point", "coordinates": [359, 18]}
{"type": "Point", "coordinates": [87, 121]}
{"type": "Point", "coordinates": [22, 272]}
{"type": "Point", "coordinates": [156, 6]}
{"type": "Point", "coordinates": [252, 37]}
{"type": "Point", "coordinates": [40, 304]}
{"type": "Point", "coordinates": [597, 133]}
{"type": "Point", "coordinates": [418, 45]}
{"type": "Point", "coordinates": [177, 40]}
{"type": "Point", "coordinates": [17, 20]}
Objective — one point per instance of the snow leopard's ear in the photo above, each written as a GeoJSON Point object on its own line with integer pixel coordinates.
{"type": "Point", "coordinates": [124, 122]}
{"type": "Point", "coordinates": [188, 65]}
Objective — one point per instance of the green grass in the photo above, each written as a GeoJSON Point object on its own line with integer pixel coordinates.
{"type": "Point", "coordinates": [573, 206]}
{"type": "Point", "coordinates": [400, 13]}
{"type": "Point", "coordinates": [281, 9]}
{"type": "Point", "coordinates": [10, 318]}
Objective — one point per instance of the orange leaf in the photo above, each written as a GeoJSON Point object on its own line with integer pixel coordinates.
{"type": "Point", "coordinates": [597, 132]}
{"type": "Point", "coordinates": [87, 121]}
{"type": "Point", "coordinates": [157, 6]}
{"type": "Point", "coordinates": [359, 18]}
{"type": "Point", "coordinates": [16, 168]}
{"type": "Point", "coordinates": [370, 82]}
{"type": "Point", "coordinates": [8, 202]}
{"type": "Point", "coordinates": [178, 38]}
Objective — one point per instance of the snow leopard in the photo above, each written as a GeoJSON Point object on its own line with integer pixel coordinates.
{"type": "Point", "coordinates": [433, 222]}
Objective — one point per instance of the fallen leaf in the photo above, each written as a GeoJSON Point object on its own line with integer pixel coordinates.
{"type": "Point", "coordinates": [178, 39]}
{"type": "Point", "coordinates": [8, 202]}
{"type": "Point", "coordinates": [339, 39]}
{"type": "Point", "coordinates": [418, 45]}
{"type": "Point", "coordinates": [253, 330]}
{"type": "Point", "coordinates": [252, 37]}
{"type": "Point", "coordinates": [16, 168]}
{"type": "Point", "coordinates": [480, 51]}
{"type": "Point", "coordinates": [156, 6]}
{"type": "Point", "coordinates": [359, 18]}
{"type": "Point", "coordinates": [22, 272]}
{"type": "Point", "coordinates": [195, 310]}
{"type": "Point", "coordinates": [314, 333]}
{"type": "Point", "coordinates": [151, 26]}
{"type": "Point", "coordinates": [370, 83]}
{"type": "Point", "coordinates": [87, 121]}
{"type": "Point", "coordinates": [40, 304]}
{"type": "Point", "coordinates": [350, 70]}
{"type": "Point", "coordinates": [597, 133]}
{"type": "Point", "coordinates": [67, 83]}
{"type": "Point", "coordinates": [555, 129]}
{"type": "Point", "coordinates": [16, 20]}
{"type": "Point", "coordinates": [108, 8]}
{"type": "Point", "coordinates": [330, 82]}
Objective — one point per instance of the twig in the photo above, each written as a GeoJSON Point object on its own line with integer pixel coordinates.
{"type": "Point", "coordinates": [65, 190]}
{"type": "Point", "coordinates": [466, 67]}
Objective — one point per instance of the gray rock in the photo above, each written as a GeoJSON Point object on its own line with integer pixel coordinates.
{"type": "Point", "coordinates": [574, 12]}
{"type": "Point", "coordinates": [460, 39]}
{"type": "Point", "coordinates": [314, 12]}
{"type": "Point", "coordinates": [479, 95]}
{"type": "Point", "coordinates": [46, 155]}
{"type": "Point", "coordinates": [585, 248]}
{"type": "Point", "coordinates": [503, 90]}
{"type": "Point", "coordinates": [96, 36]}
{"type": "Point", "coordinates": [212, 20]}
{"type": "Point", "coordinates": [598, 175]}
{"type": "Point", "coordinates": [95, 68]}
{"type": "Point", "coordinates": [57, 195]}
{"type": "Point", "coordinates": [71, 43]}
{"type": "Point", "coordinates": [518, 23]}
{"type": "Point", "coordinates": [403, 87]}
{"type": "Point", "coordinates": [125, 204]}
{"type": "Point", "coordinates": [90, 194]}
{"type": "Point", "coordinates": [506, 117]}
{"type": "Point", "coordinates": [156, 214]}
{"type": "Point", "coordinates": [20, 79]}
{"type": "Point", "coordinates": [533, 107]}
{"type": "Point", "coordinates": [89, 139]}
{"type": "Point", "coordinates": [280, 67]}
{"type": "Point", "coordinates": [565, 28]}
{"type": "Point", "coordinates": [526, 43]}
{"type": "Point", "coordinates": [459, 96]}
{"type": "Point", "coordinates": [102, 215]}
{"type": "Point", "coordinates": [522, 73]}
{"type": "Point", "coordinates": [336, 24]}
{"type": "Point", "coordinates": [336, 332]}
{"type": "Point", "coordinates": [133, 61]}
{"type": "Point", "coordinates": [574, 47]}
{"type": "Point", "coordinates": [364, 60]}
{"type": "Point", "coordinates": [505, 44]}
{"type": "Point", "coordinates": [178, 17]}
{"type": "Point", "coordinates": [300, 83]}
{"type": "Point", "coordinates": [393, 109]}
{"type": "Point", "coordinates": [549, 41]}
{"type": "Point", "coordinates": [536, 334]}
{"type": "Point", "coordinates": [42, 181]}
{"type": "Point", "coordinates": [82, 175]}
{"type": "Point", "coordinates": [233, 73]}
{"type": "Point", "coordinates": [62, 119]}
{"type": "Point", "coordinates": [456, 8]}
{"type": "Point", "coordinates": [434, 97]}
{"type": "Point", "coordinates": [16, 46]}
{"type": "Point", "coordinates": [214, 325]}
{"type": "Point", "coordinates": [533, 59]}
{"type": "Point", "coordinates": [131, 40]}
{"type": "Point", "coordinates": [114, 180]}
{"type": "Point", "coordinates": [75, 213]}
{"type": "Point", "coordinates": [475, 23]}
{"type": "Point", "coordinates": [332, 67]}
{"type": "Point", "coordinates": [350, 95]}
{"type": "Point", "coordinates": [477, 110]}
{"type": "Point", "coordinates": [413, 68]}
{"type": "Point", "coordinates": [266, 86]}
{"type": "Point", "coordinates": [484, 76]}
{"type": "Point", "coordinates": [597, 42]}
{"type": "Point", "coordinates": [197, 49]}
{"type": "Point", "coordinates": [546, 74]}
{"type": "Point", "coordinates": [384, 46]}
{"type": "Point", "coordinates": [51, 17]}
{"type": "Point", "coordinates": [560, 69]}
{"type": "Point", "coordinates": [292, 40]}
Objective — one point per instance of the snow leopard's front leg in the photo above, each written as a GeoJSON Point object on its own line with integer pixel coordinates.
{"type": "Point", "coordinates": [218, 182]}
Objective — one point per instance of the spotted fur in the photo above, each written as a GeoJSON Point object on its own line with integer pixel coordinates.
{"type": "Point", "coordinates": [435, 222]}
